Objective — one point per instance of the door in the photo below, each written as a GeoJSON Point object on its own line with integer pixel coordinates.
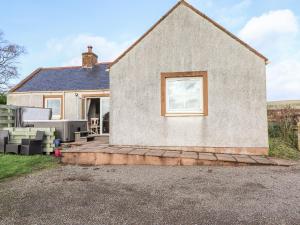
{"type": "Point", "coordinates": [104, 118]}
{"type": "Point", "coordinates": [98, 108]}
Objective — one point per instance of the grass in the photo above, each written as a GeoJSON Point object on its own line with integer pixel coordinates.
{"type": "Point", "coordinates": [280, 149]}
{"type": "Point", "coordinates": [15, 165]}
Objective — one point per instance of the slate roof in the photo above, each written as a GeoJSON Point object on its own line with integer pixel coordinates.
{"type": "Point", "coordinates": [66, 79]}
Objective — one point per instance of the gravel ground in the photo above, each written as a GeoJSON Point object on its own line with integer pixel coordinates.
{"type": "Point", "coordinates": [153, 195]}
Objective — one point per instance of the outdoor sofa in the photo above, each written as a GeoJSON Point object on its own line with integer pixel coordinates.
{"type": "Point", "coordinates": [28, 146]}
{"type": "Point", "coordinates": [4, 137]}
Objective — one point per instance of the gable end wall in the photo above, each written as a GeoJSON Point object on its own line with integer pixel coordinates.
{"type": "Point", "coordinates": [185, 41]}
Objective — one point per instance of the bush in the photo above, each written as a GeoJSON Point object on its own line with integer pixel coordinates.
{"type": "Point", "coordinates": [283, 137]}
{"type": "Point", "coordinates": [2, 99]}
{"type": "Point", "coordinates": [274, 130]}
{"type": "Point", "coordinates": [280, 149]}
{"type": "Point", "coordinates": [285, 126]}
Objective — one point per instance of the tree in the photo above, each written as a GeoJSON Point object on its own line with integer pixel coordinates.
{"type": "Point", "coordinates": [9, 53]}
{"type": "Point", "coordinates": [2, 99]}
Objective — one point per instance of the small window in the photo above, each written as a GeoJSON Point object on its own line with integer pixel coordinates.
{"type": "Point", "coordinates": [184, 93]}
{"type": "Point", "coordinates": [54, 103]}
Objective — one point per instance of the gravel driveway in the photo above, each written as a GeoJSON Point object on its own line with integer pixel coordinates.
{"type": "Point", "coordinates": [153, 195]}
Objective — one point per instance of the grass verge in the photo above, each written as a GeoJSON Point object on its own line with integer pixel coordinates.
{"type": "Point", "coordinates": [15, 165]}
{"type": "Point", "coordinates": [280, 149]}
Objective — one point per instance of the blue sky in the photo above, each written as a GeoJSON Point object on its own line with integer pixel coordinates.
{"type": "Point", "coordinates": [55, 33]}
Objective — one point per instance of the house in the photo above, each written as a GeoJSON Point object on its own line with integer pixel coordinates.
{"type": "Point", "coordinates": [186, 84]}
{"type": "Point", "coordinates": [190, 84]}
{"type": "Point", "coordinates": [73, 93]}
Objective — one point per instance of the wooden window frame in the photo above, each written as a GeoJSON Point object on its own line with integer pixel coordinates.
{"type": "Point", "coordinates": [165, 76]}
{"type": "Point", "coordinates": [95, 95]}
{"type": "Point", "coordinates": [61, 103]}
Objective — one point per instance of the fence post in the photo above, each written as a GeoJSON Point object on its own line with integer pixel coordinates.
{"type": "Point", "coordinates": [298, 131]}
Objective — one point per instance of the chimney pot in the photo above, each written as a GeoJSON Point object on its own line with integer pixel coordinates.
{"type": "Point", "coordinates": [89, 59]}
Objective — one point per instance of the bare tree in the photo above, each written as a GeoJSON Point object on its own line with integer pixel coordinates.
{"type": "Point", "coordinates": [9, 53]}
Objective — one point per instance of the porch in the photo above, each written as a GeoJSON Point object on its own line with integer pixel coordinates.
{"type": "Point", "coordinates": [100, 153]}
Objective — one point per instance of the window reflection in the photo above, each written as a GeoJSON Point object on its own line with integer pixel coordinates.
{"type": "Point", "coordinates": [184, 95]}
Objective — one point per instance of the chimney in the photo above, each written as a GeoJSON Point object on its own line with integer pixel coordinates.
{"type": "Point", "coordinates": [89, 59]}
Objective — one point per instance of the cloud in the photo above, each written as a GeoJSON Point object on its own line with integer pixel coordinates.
{"type": "Point", "coordinates": [284, 79]}
{"type": "Point", "coordinates": [202, 3]}
{"type": "Point", "coordinates": [274, 24]}
{"type": "Point", "coordinates": [280, 21]}
{"type": "Point", "coordinates": [69, 49]}
{"type": "Point", "coordinates": [229, 15]}
{"type": "Point", "coordinates": [66, 51]}
{"type": "Point", "coordinates": [276, 34]}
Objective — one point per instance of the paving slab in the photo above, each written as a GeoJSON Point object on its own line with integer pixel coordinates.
{"type": "Point", "coordinates": [101, 150]}
{"type": "Point", "coordinates": [88, 150]}
{"type": "Point", "coordinates": [244, 159]}
{"type": "Point", "coordinates": [124, 150]}
{"type": "Point", "coordinates": [172, 154]}
{"type": "Point", "coordinates": [95, 145]}
{"type": "Point", "coordinates": [100, 146]}
{"type": "Point", "coordinates": [207, 156]}
{"type": "Point", "coordinates": [190, 155]}
{"type": "Point", "coordinates": [141, 151]}
{"type": "Point", "coordinates": [155, 152]}
{"type": "Point", "coordinates": [263, 160]}
{"type": "Point", "coordinates": [110, 150]}
{"type": "Point", "coordinates": [283, 162]}
{"type": "Point", "coordinates": [104, 154]}
{"type": "Point", "coordinates": [225, 158]}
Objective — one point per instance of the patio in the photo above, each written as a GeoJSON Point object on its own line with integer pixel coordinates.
{"type": "Point", "coordinates": [100, 153]}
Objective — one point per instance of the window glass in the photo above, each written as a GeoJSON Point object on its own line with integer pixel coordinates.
{"type": "Point", "coordinates": [184, 95]}
{"type": "Point", "coordinates": [105, 115]}
{"type": "Point", "coordinates": [55, 105]}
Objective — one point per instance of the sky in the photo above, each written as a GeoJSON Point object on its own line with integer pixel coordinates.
{"type": "Point", "coordinates": [56, 32]}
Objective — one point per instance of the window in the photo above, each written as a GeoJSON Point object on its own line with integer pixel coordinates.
{"type": "Point", "coordinates": [184, 94]}
{"type": "Point", "coordinates": [97, 106]}
{"type": "Point", "coordinates": [54, 103]}
{"type": "Point", "coordinates": [104, 115]}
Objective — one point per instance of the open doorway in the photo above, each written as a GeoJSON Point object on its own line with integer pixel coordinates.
{"type": "Point", "coordinates": [97, 115]}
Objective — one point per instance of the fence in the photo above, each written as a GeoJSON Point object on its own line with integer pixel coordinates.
{"type": "Point", "coordinates": [7, 116]}
{"type": "Point", "coordinates": [17, 134]}
{"type": "Point", "coordinates": [298, 131]}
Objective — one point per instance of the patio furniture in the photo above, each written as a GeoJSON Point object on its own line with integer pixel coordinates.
{"type": "Point", "coordinates": [33, 146]}
{"type": "Point", "coordinates": [94, 128]}
{"type": "Point", "coordinates": [13, 148]}
{"type": "Point", "coordinates": [84, 136]}
{"type": "Point", "coordinates": [4, 136]}
{"type": "Point", "coordinates": [64, 129]}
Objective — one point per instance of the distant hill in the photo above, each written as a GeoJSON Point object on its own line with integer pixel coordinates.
{"type": "Point", "coordinates": [282, 104]}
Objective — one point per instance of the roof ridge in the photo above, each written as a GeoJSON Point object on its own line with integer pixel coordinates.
{"type": "Point", "coordinates": [35, 72]}
{"type": "Point", "coordinates": [59, 67]}
{"type": "Point", "coordinates": [147, 32]}
{"type": "Point", "coordinates": [70, 67]}
{"type": "Point", "coordinates": [200, 14]}
{"type": "Point", "coordinates": [224, 30]}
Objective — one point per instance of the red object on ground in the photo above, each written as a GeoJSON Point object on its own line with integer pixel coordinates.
{"type": "Point", "coordinates": [57, 153]}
